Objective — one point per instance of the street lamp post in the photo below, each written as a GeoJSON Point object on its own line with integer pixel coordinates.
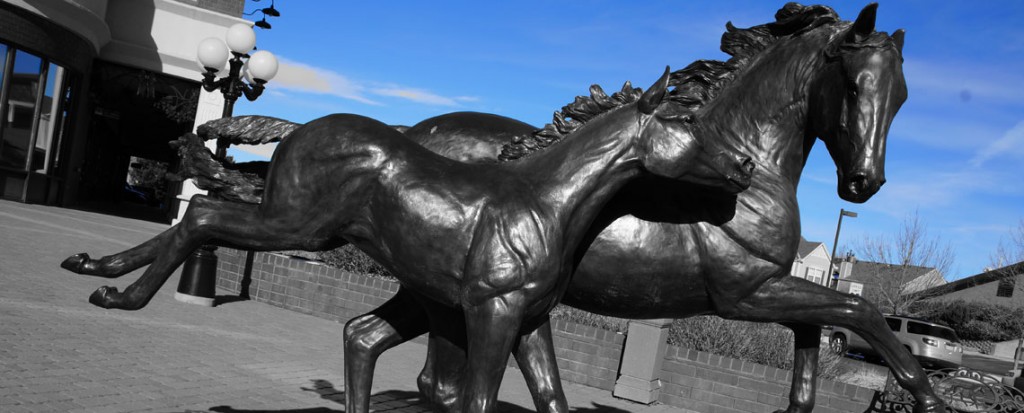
{"type": "Point", "coordinates": [832, 258]}
{"type": "Point", "coordinates": [199, 274]}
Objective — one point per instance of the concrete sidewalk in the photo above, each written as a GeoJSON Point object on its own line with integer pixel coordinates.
{"type": "Point", "coordinates": [59, 353]}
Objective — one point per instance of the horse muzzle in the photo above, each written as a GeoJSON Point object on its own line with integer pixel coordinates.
{"type": "Point", "coordinates": [859, 187]}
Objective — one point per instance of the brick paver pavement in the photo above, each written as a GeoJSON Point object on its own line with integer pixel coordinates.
{"type": "Point", "coordinates": [59, 353]}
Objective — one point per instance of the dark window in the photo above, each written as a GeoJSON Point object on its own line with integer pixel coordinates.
{"type": "Point", "coordinates": [894, 323]}
{"type": "Point", "coordinates": [1006, 287]}
{"type": "Point", "coordinates": [933, 331]}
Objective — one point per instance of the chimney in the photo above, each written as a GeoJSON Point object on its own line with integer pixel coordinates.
{"type": "Point", "coordinates": [846, 267]}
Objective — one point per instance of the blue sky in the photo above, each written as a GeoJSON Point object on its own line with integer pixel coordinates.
{"type": "Point", "coordinates": [955, 151]}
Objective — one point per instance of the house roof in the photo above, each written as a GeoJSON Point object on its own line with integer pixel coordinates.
{"type": "Point", "coordinates": [867, 271]}
{"type": "Point", "coordinates": [806, 247]}
{"type": "Point", "coordinates": [913, 278]}
{"type": "Point", "coordinates": [986, 277]}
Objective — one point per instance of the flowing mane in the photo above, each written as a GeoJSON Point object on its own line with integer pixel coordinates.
{"type": "Point", "coordinates": [570, 118]}
{"type": "Point", "coordinates": [693, 86]}
{"type": "Point", "coordinates": [701, 81]}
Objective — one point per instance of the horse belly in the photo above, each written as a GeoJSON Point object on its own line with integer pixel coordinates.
{"type": "Point", "coordinates": [640, 269]}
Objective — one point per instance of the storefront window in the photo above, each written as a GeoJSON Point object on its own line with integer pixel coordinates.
{"type": "Point", "coordinates": [21, 116]}
{"type": "Point", "coordinates": [22, 90]}
{"type": "Point", "coordinates": [49, 118]}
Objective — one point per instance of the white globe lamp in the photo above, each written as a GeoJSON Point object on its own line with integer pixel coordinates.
{"type": "Point", "coordinates": [241, 39]}
{"type": "Point", "coordinates": [212, 53]}
{"type": "Point", "coordinates": [262, 66]}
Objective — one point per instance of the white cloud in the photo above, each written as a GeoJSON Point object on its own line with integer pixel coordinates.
{"type": "Point", "coordinates": [1011, 143]}
{"type": "Point", "coordinates": [305, 78]}
{"type": "Point", "coordinates": [415, 95]}
{"type": "Point", "coordinates": [927, 187]}
{"type": "Point", "coordinates": [301, 77]}
{"type": "Point", "coordinates": [263, 151]}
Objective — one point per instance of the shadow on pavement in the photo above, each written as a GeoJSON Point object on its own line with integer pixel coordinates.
{"type": "Point", "coordinates": [393, 400]}
{"type": "Point", "coordinates": [228, 299]}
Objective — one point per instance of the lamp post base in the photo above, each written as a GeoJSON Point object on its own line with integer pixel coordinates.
{"type": "Point", "coordinates": [191, 299]}
{"type": "Point", "coordinates": [199, 278]}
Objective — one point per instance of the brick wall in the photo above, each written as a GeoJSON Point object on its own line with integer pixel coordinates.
{"type": "Point", "coordinates": [586, 355]}
{"type": "Point", "coordinates": [710, 383]}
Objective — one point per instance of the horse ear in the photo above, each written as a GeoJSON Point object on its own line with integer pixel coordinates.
{"type": "Point", "coordinates": [897, 38]}
{"type": "Point", "coordinates": [865, 23]}
{"type": "Point", "coordinates": [653, 96]}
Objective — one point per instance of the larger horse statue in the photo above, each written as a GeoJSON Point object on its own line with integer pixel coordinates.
{"type": "Point", "coordinates": [659, 254]}
{"type": "Point", "coordinates": [496, 242]}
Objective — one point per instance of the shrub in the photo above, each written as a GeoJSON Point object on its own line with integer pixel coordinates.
{"type": "Point", "coordinates": [617, 325]}
{"type": "Point", "coordinates": [762, 343]}
{"type": "Point", "coordinates": [351, 259]}
{"type": "Point", "coordinates": [768, 344]}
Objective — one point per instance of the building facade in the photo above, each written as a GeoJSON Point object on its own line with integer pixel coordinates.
{"type": "Point", "coordinates": [93, 91]}
{"type": "Point", "coordinates": [1002, 286]}
{"type": "Point", "coordinates": [811, 262]}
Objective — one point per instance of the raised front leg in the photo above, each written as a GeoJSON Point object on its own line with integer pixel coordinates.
{"type": "Point", "coordinates": [793, 300]}
{"type": "Point", "coordinates": [367, 336]}
{"type": "Point", "coordinates": [535, 354]}
{"type": "Point", "coordinates": [491, 330]}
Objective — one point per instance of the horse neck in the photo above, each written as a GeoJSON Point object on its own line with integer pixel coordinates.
{"type": "Point", "coordinates": [772, 94]}
{"type": "Point", "coordinates": [580, 173]}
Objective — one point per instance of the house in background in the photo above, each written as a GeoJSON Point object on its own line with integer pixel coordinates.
{"type": "Point", "coordinates": [876, 277]}
{"type": "Point", "coordinates": [1002, 286]}
{"type": "Point", "coordinates": [841, 280]}
{"type": "Point", "coordinates": [811, 261]}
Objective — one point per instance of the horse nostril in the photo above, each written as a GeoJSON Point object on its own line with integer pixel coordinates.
{"type": "Point", "coordinates": [747, 165]}
{"type": "Point", "coordinates": [858, 184]}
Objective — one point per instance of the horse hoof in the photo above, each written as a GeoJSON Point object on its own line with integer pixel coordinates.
{"type": "Point", "coordinates": [102, 297]}
{"type": "Point", "coordinates": [75, 263]}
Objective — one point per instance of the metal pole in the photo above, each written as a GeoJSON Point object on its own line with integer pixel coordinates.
{"type": "Point", "coordinates": [198, 281]}
{"type": "Point", "coordinates": [835, 243]}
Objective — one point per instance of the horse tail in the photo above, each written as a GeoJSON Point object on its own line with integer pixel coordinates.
{"type": "Point", "coordinates": [247, 130]}
{"type": "Point", "coordinates": [234, 182]}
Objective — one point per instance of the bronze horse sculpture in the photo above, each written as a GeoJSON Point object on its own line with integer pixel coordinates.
{"type": "Point", "coordinates": [660, 254]}
{"type": "Point", "coordinates": [647, 258]}
{"type": "Point", "coordinates": [494, 242]}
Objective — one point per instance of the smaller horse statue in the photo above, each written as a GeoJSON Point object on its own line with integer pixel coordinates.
{"type": "Point", "coordinates": [494, 242]}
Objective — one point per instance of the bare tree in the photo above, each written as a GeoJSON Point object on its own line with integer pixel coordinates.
{"type": "Point", "coordinates": [905, 263]}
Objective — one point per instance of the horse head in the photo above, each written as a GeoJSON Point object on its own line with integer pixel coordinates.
{"type": "Point", "coordinates": [854, 101]}
{"type": "Point", "coordinates": [669, 149]}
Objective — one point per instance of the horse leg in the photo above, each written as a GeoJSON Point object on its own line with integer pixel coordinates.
{"type": "Point", "coordinates": [788, 299]}
{"type": "Point", "coordinates": [113, 266]}
{"type": "Point", "coordinates": [806, 342]}
{"type": "Point", "coordinates": [367, 336]}
{"type": "Point", "coordinates": [441, 377]}
{"type": "Point", "coordinates": [491, 329]}
{"type": "Point", "coordinates": [535, 354]}
{"type": "Point", "coordinates": [208, 219]}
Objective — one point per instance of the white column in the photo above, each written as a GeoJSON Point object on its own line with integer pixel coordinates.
{"type": "Point", "coordinates": [210, 107]}
{"type": "Point", "coordinates": [640, 378]}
